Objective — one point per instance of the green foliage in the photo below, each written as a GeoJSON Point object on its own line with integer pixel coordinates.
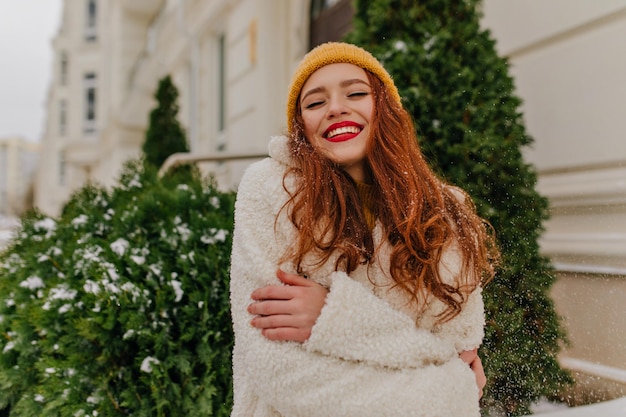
{"type": "Point", "coordinates": [165, 135]}
{"type": "Point", "coordinates": [471, 129]}
{"type": "Point", "coordinates": [121, 305]}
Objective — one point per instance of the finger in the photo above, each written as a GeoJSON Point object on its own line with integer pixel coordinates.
{"type": "Point", "coordinates": [271, 307]}
{"type": "Point", "coordinates": [468, 356]}
{"type": "Point", "coordinates": [273, 292]}
{"type": "Point", "coordinates": [292, 279]}
{"type": "Point", "coordinates": [274, 322]}
{"type": "Point", "coordinates": [286, 333]}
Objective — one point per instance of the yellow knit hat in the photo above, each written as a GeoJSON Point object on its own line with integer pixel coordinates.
{"type": "Point", "coordinates": [334, 53]}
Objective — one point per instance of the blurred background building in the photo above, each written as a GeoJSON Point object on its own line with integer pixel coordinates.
{"type": "Point", "coordinates": [18, 161]}
{"type": "Point", "coordinates": [232, 60]}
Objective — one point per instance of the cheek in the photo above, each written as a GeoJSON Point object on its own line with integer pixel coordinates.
{"type": "Point", "coordinates": [310, 126]}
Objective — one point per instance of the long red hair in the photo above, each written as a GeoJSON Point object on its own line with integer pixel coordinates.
{"type": "Point", "coordinates": [420, 214]}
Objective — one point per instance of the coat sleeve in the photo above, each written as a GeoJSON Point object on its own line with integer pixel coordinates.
{"type": "Point", "coordinates": [298, 380]}
{"type": "Point", "coordinates": [466, 330]}
{"type": "Point", "coordinates": [357, 325]}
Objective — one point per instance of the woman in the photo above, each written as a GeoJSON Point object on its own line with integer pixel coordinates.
{"type": "Point", "coordinates": [364, 267]}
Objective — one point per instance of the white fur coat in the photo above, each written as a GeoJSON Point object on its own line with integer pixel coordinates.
{"type": "Point", "coordinates": [366, 356]}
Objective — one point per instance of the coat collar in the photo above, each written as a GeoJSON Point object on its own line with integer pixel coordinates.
{"type": "Point", "coordinates": [279, 150]}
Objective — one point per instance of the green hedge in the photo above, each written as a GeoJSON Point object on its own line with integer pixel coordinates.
{"type": "Point", "coordinates": [120, 306]}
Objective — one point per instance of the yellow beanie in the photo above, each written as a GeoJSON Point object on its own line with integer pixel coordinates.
{"type": "Point", "coordinates": [334, 53]}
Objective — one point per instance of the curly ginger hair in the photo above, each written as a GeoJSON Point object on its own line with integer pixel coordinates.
{"type": "Point", "coordinates": [420, 214]}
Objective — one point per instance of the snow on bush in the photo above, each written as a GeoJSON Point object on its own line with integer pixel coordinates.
{"type": "Point", "coordinates": [120, 306]}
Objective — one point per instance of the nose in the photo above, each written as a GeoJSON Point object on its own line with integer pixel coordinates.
{"type": "Point", "coordinates": [337, 106]}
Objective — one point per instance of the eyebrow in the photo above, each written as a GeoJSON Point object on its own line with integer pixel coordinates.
{"type": "Point", "coordinates": [342, 84]}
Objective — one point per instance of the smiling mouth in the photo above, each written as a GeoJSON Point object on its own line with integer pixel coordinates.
{"type": "Point", "coordinates": [342, 133]}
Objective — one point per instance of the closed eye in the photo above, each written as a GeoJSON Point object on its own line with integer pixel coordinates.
{"type": "Point", "coordinates": [313, 104]}
{"type": "Point", "coordinates": [358, 94]}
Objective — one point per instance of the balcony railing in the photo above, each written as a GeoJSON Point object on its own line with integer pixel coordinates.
{"type": "Point", "coordinates": [182, 158]}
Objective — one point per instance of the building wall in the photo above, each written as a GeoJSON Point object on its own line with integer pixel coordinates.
{"type": "Point", "coordinates": [140, 42]}
{"type": "Point", "coordinates": [568, 60]}
{"type": "Point", "coordinates": [18, 161]}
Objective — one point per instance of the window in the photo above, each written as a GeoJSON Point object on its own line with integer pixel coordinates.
{"type": "Point", "coordinates": [63, 68]}
{"type": "Point", "coordinates": [221, 80]}
{"type": "Point", "coordinates": [91, 21]}
{"type": "Point", "coordinates": [90, 103]}
{"type": "Point", "coordinates": [62, 168]}
{"type": "Point", "coordinates": [62, 117]}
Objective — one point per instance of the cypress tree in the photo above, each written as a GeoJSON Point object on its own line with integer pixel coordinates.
{"type": "Point", "coordinates": [471, 129]}
{"type": "Point", "coordinates": [165, 135]}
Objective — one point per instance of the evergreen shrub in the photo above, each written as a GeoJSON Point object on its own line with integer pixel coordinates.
{"type": "Point", "coordinates": [120, 307]}
{"type": "Point", "coordinates": [165, 135]}
{"type": "Point", "coordinates": [471, 129]}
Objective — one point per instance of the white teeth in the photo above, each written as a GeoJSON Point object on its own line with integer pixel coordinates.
{"type": "Point", "coordinates": [342, 130]}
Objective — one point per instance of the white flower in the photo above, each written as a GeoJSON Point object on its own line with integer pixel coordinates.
{"type": "Point", "coordinates": [10, 345]}
{"type": "Point", "coordinates": [129, 333]}
{"type": "Point", "coordinates": [65, 308]}
{"type": "Point", "coordinates": [62, 292]}
{"type": "Point", "coordinates": [113, 273]}
{"type": "Point", "coordinates": [50, 370]}
{"type": "Point", "coordinates": [146, 364]}
{"type": "Point", "coordinates": [39, 398]}
{"type": "Point", "coordinates": [184, 232]}
{"type": "Point", "coordinates": [156, 270]}
{"type": "Point", "coordinates": [139, 260]}
{"type": "Point", "coordinates": [134, 183]}
{"type": "Point", "coordinates": [429, 43]}
{"type": "Point", "coordinates": [177, 286]}
{"type": "Point", "coordinates": [80, 220]}
{"type": "Point", "coordinates": [184, 187]}
{"type": "Point", "coordinates": [91, 287]}
{"type": "Point", "coordinates": [119, 246]}
{"type": "Point", "coordinates": [32, 283]}
{"type": "Point", "coordinates": [400, 46]}
{"type": "Point", "coordinates": [214, 201]}
{"type": "Point", "coordinates": [218, 236]}
{"type": "Point", "coordinates": [93, 399]}
{"type": "Point", "coordinates": [46, 224]}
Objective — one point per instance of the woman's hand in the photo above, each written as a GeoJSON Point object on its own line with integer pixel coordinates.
{"type": "Point", "coordinates": [288, 312]}
{"type": "Point", "coordinates": [473, 360]}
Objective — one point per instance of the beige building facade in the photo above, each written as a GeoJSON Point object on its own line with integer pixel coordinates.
{"type": "Point", "coordinates": [232, 59]}
{"type": "Point", "coordinates": [568, 59]}
{"type": "Point", "coordinates": [18, 162]}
